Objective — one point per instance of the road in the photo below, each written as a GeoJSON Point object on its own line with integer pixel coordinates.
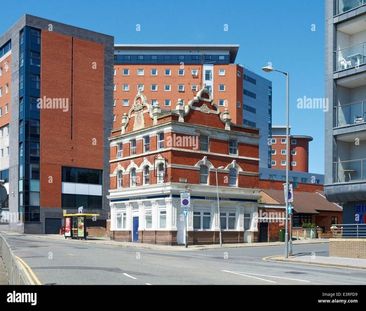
{"type": "Point", "coordinates": [57, 261]}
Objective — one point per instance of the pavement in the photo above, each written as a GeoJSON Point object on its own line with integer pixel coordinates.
{"type": "Point", "coordinates": [343, 262]}
{"type": "Point", "coordinates": [3, 273]}
{"type": "Point", "coordinates": [55, 260]}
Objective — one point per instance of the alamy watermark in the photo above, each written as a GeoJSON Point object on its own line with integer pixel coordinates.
{"type": "Point", "coordinates": [320, 103]}
{"type": "Point", "coordinates": [53, 103]}
{"type": "Point", "coordinates": [183, 141]}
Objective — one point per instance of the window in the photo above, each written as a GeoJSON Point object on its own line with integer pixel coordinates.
{"type": "Point", "coordinates": [201, 220]}
{"type": "Point", "coordinates": [6, 88]}
{"type": "Point", "coordinates": [194, 72]}
{"type": "Point", "coordinates": [222, 72]}
{"type": "Point", "coordinates": [222, 87]}
{"type": "Point", "coordinates": [119, 180]}
{"type": "Point", "coordinates": [133, 178]}
{"type": "Point", "coordinates": [125, 102]}
{"type": "Point", "coordinates": [114, 103]}
{"type": "Point", "coordinates": [115, 87]}
{"type": "Point", "coordinates": [1, 91]}
{"type": "Point", "coordinates": [1, 111]}
{"type": "Point", "coordinates": [6, 108]}
{"type": "Point", "coordinates": [162, 219]}
{"type": "Point", "coordinates": [154, 72]}
{"type": "Point", "coordinates": [222, 102]}
{"type": "Point", "coordinates": [140, 87]}
{"type": "Point", "coordinates": [160, 140]}
{"type": "Point", "coordinates": [115, 72]}
{"type": "Point", "coordinates": [194, 88]}
{"type": "Point", "coordinates": [293, 152]}
{"type": "Point", "coordinates": [233, 177]}
{"type": "Point", "coordinates": [250, 108]}
{"type": "Point", "coordinates": [154, 87]}
{"type": "Point", "coordinates": [140, 72]}
{"type": "Point", "coordinates": [125, 87]}
{"type": "Point", "coordinates": [148, 218]}
{"type": "Point", "coordinates": [35, 82]}
{"type": "Point", "coordinates": [146, 143]}
{"type": "Point", "coordinates": [119, 150]}
{"type": "Point", "coordinates": [82, 175]}
{"type": "Point", "coordinates": [228, 221]}
{"type": "Point", "coordinates": [146, 175]}
{"type": "Point", "coordinates": [167, 102]}
{"type": "Point", "coordinates": [293, 141]}
{"type": "Point", "coordinates": [293, 163]}
{"type": "Point", "coordinates": [233, 146]}
{"type": "Point", "coordinates": [208, 75]}
{"type": "Point", "coordinates": [250, 94]}
{"type": "Point", "coordinates": [168, 72]}
{"type": "Point", "coordinates": [273, 163]}
{"type": "Point", "coordinates": [247, 221]}
{"type": "Point", "coordinates": [126, 72]}
{"type": "Point", "coordinates": [154, 102]}
{"type": "Point", "coordinates": [250, 79]}
{"type": "Point", "coordinates": [273, 152]}
{"type": "Point", "coordinates": [114, 118]}
{"type": "Point", "coordinates": [180, 72]}
{"type": "Point", "coordinates": [121, 218]}
{"type": "Point", "coordinates": [160, 173]}
{"type": "Point", "coordinates": [283, 151]}
{"type": "Point", "coordinates": [203, 142]}
{"type": "Point", "coordinates": [283, 163]}
{"type": "Point", "coordinates": [283, 141]}
{"type": "Point", "coordinates": [133, 146]}
{"type": "Point", "coordinates": [203, 175]}
{"type": "Point", "coordinates": [167, 87]}
{"type": "Point", "coordinates": [34, 149]}
{"type": "Point", "coordinates": [273, 141]}
{"type": "Point", "coordinates": [181, 88]}
{"type": "Point", "coordinates": [334, 220]}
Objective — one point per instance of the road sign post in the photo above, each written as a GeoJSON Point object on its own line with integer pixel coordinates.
{"type": "Point", "coordinates": [185, 203]}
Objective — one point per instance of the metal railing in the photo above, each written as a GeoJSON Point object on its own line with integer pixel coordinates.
{"type": "Point", "coordinates": [352, 231]}
{"type": "Point", "coordinates": [350, 171]}
{"type": "Point", "coordinates": [350, 114]}
{"type": "Point", "coordinates": [350, 57]}
{"type": "Point", "coordinates": [347, 5]}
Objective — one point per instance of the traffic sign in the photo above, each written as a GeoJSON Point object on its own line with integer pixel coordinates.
{"type": "Point", "coordinates": [185, 199]}
{"type": "Point", "coordinates": [290, 193]}
{"type": "Point", "coordinates": [185, 212]}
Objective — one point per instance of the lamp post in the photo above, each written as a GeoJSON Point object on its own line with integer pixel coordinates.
{"type": "Point", "coordinates": [269, 68]}
{"type": "Point", "coordinates": [218, 204]}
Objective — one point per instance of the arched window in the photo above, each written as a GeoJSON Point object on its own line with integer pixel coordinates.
{"type": "Point", "coordinates": [133, 178]}
{"type": "Point", "coordinates": [233, 176]}
{"type": "Point", "coordinates": [146, 175]}
{"type": "Point", "coordinates": [160, 173]}
{"type": "Point", "coordinates": [203, 174]}
{"type": "Point", "coordinates": [119, 179]}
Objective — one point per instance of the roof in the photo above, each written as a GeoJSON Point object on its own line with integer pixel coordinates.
{"type": "Point", "coordinates": [231, 48]}
{"type": "Point", "coordinates": [304, 202]}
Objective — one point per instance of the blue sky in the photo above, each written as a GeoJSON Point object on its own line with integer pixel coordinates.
{"type": "Point", "coordinates": [288, 33]}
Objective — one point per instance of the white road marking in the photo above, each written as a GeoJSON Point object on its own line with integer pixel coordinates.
{"type": "Point", "coordinates": [147, 284]}
{"type": "Point", "coordinates": [130, 276]}
{"type": "Point", "coordinates": [249, 276]}
{"type": "Point", "coordinates": [280, 277]}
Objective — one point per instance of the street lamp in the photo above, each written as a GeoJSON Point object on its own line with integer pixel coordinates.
{"type": "Point", "coordinates": [269, 68]}
{"type": "Point", "coordinates": [218, 204]}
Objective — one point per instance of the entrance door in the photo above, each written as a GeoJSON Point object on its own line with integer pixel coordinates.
{"type": "Point", "coordinates": [135, 229]}
{"type": "Point", "coordinates": [263, 232]}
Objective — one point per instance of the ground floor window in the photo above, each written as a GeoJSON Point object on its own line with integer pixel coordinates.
{"type": "Point", "coordinates": [201, 220]}
{"type": "Point", "coordinates": [247, 220]}
{"type": "Point", "coordinates": [299, 219]}
{"type": "Point", "coordinates": [148, 219]}
{"type": "Point", "coordinates": [121, 218]}
{"type": "Point", "coordinates": [228, 220]}
{"type": "Point", "coordinates": [162, 219]}
{"type": "Point", "coordinates": [334, 220]}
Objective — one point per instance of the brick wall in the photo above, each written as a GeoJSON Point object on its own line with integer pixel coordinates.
{"type": "Point", "coordinates": [351, 248]}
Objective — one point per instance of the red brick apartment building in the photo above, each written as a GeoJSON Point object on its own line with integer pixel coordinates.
{"type": "Point", "coordinates": [299, 148]}
{"type": "Point", "coordinates": [55, 109]}
{"type": "Point", "coordinates": [156, 154]}
{"type": "Point", "coordinates": [166, 73]}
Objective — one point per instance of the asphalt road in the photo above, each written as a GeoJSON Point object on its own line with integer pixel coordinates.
{"type": "Point", "coordinates": [57, 261]}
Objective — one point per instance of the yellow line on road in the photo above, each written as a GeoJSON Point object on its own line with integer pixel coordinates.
{"type": "Point", "coordinates": [34, 279]}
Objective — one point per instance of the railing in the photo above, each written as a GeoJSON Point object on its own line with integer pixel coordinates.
{"type": "Point", "coordinates": [347, 5]}
{"type": "Point", "coordinates": [350, 114]}
{"type": "Point", "coordinates": [353, 56]}
{"type": "Point", "coordinates": [349, 171]}
{"type": "Point", "coordinates": [352, 231]}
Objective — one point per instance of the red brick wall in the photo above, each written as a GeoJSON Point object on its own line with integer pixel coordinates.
{"type": "Point", "coordinates": [5, 79]}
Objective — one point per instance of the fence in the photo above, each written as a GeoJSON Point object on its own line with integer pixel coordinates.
{"type": "Point", "coordinates": [352, 231]}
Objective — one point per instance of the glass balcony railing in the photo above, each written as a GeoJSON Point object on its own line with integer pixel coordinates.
{"type": "Point", "coordinates": [350, 171]}
{"type": "Point", "coordinates": [351, 57]}
{"type": "Point", "coordinates": [347, 5]}
{"type": "Point", "coordinates": [350, 114]}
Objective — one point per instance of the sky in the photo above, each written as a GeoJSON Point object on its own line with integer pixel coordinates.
{"type": "Point", "coordinates": [288, 33]}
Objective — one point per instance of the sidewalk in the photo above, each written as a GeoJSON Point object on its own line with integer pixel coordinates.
{"type": "Point", "coordinates": [3, 273]}
{"type": "Point", "coordinates": [341, 262]}
{"type": "Point", "coordinates": [107, 241]}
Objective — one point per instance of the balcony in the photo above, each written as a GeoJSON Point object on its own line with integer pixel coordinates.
{"type": "Point", "coordinates": [350, 171]}
{"type": "Point", "coordinates": [350, 114]}
{"type": "Point", "coordinates": [351, 57]}
{"type": "Point", "coordinates": [348, 5]}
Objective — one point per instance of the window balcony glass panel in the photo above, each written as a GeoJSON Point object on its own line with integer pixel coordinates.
{"type": "Point", "coordinates": [351, 57]}
{"type": "Point", "coordinates": [350, 114]}
{"type": "Point", "coordinates": [350, 171]}
{"type": "Point", "coordinates": [347, 5]}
